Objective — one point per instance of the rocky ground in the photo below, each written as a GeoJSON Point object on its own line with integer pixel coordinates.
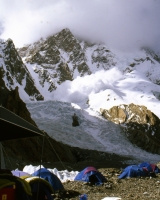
{"type": "Point", "coordinates": [131, 188]}
{"type": "Point", "coordinates": [110, 165]}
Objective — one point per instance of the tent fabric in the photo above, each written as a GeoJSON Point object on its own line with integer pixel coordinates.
{"type": "Point", "coordinates": [141, 170]}
{"type": "Point", "coordinates": [35, 179]}
{"type": "Point", "coordinates": [150, 167]}
{"type": "Point", "coordinates": [14, 127]}
{"type": "Point", "coordinates": [40, 187]}
{"type": "Point", "coordinates": [40, 190]}
{"type": "Point", "coordinates": [23, 190]}
{"type": "Point", "coordinates": [50, 177]}
{"type": "Point", "coordinates": [19, 173]}
{"type": "Point", "coordinates": [133, 171]}
{"type": "Point", "coordinates": [90, 169]}
{"type": "Point", "coordinates": [90, 174]}
{"type": "Point", "coordinates": [5, 183]}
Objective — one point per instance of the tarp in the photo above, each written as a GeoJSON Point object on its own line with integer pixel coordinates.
{"type": "Point", "coordinates": [14, 127]}
{"type": "Point", "coordinates": [133, 171]}
{"type": "Point", "coordinates": [90, 174]}
{"type": "Point", "coordinates": [50, 177]}
{"type": "Point", "coordinates": [141, 170]}
{"type": "Point", "coordinates": [19, 173]}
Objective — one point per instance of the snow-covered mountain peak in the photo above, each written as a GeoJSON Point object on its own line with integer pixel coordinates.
{"type": "Point", "coordinates": [15, 73]}
{"type": "Point", "coordinates": [77, 76]}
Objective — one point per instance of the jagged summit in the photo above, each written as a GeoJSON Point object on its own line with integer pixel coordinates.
{"type": "Point", "coordinates": [14, 71]}
{"type": "Point", "coordinates": [40, 69]}
{"type": "Point", "coordinates": [62, 57]}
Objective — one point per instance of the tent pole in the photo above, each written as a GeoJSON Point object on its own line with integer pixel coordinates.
{"type": "Point", "coordinates": [2, 158]}
{"type": "Point", "coordinates": [40, 165]}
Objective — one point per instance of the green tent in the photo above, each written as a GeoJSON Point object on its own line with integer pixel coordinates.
{"type": "Point", "coordinates": [14, 127]}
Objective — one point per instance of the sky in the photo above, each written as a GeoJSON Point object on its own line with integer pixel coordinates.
{"type": "Point", "coordinates": [122, 24]}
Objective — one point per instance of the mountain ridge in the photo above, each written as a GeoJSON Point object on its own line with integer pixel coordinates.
{"type": "Point", "coordinates": [50, 63]}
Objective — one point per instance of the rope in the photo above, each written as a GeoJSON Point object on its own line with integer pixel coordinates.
{"type": "Point", "coordinates": [7, 157]}
{"type": "Point", "coordinates": [55, 152]}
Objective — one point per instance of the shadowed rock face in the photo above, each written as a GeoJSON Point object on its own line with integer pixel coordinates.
{"type": "Point", "coordinates": [26, 151]}
{"type": "Point", "coordinates": [140, 125]}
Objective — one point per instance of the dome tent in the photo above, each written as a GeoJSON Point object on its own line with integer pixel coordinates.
{"type": "Point", "coordinates": [90, 174]}
{"type": "Point", "coordinates": [142, 170]}
{"type": "Point", "coordinates": [50, 177]}
{"type": "Point", "coordinates": [40, 188]}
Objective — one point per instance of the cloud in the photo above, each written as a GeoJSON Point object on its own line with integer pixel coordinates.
{"type": "Point", "coordinates": [78, 90]}
{"type": "Point", "coordinates": [122, 24]}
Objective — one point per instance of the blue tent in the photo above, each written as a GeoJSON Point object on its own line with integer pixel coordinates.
{"type": "Point", "coordinates": [141, 170]}
{"type": "Point", "coordinates": [50, 177]}
{"type": "Point", "coordinates": [90, 174]}
{"type": "Point", "coordinates": [150, 167]}
{"type": "Point", "coordinates": [133, 171]}
{"type": "Point", "coordinates": [41, 190]}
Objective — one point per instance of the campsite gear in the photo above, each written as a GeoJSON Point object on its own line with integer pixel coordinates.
{"type": "Point", "coordinates": [19, 173]}
{"type": "Point", "coordinates": [151, 168]}
{"type": "Point", "coordinates": [133, 171]}
{"type": "Point", "coordinates": [83, 197]}
{"type": "Point", "coordinates": [7, 187]}
{"type": "Point", "coordinates": [50, 177]}
{"type": "Point", "coordinates": [142, 170]}
{"type": "Point", "coordinates": [40, 188]}
{"type": "Point", "coordinates": [8, 193]}
{"type": "Point", "coordinates": [6, 183]}
{"type": "Point", "coordinates": [14, 127]}
{"type": "Point", "coordinates": [90, 174]}
{"type": "Point", "coordinates": [22, 188]}
{"type": "Point", "coordinates": [111, 198]}
{"type": "Point", "coordinates": [75, 120]}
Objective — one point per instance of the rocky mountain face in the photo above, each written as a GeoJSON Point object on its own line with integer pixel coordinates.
{"type": "Point", "coordinates": [140, 125]}
{"type": "Point", "coordinates": [62, 57]}
{"type": "Point", "coordinates": [14, 72]}
{"type": "Point", "coordinates": [56, 58]}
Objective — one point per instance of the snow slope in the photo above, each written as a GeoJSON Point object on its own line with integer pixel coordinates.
{"type": "Point", "coordinates": [120, 84]}
{"type": "Point", "coordinates": [94, 132]}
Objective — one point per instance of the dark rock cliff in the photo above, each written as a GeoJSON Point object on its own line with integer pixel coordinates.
{"type": "Point", "coordinates": [140, 125]}
{"type": "Point", "coordinates": [19, 152]}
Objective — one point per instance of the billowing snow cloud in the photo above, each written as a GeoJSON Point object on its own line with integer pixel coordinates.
{"type": "Point", "coordinates": [122, 24]}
